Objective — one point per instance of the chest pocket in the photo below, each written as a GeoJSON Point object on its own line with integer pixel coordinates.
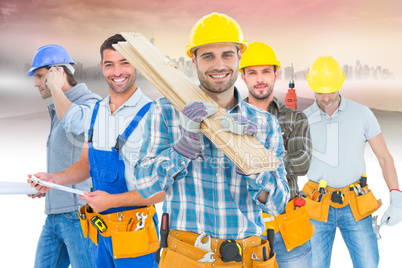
{"type": "Point", "coordinates": [286, 131]}
{"type": "Point", "coordinates": [106, 179]}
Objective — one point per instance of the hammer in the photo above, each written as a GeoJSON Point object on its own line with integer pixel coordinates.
{"type": "Point", "coordinates": [377, 227]}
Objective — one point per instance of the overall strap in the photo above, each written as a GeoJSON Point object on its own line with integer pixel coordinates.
{"type": "Point", "coordinates": [93, 119]}
{"type": "Point", "coordinates": [121, 139]}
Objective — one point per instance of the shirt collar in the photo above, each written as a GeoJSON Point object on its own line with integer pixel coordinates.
{"type": "Point", "coordinates": [342, 106]}
{"type": "Point", "coordinates": [237, 107]}
{"type": "Point", "coordinates": [275, 104]}
{"type": "Point", "coordinates": [238, 103]}
{"type": "Point", "coordinates": [131, 102]}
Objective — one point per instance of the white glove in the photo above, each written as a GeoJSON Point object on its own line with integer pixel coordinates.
{"type": "Point", "coordinates": [394, 212]}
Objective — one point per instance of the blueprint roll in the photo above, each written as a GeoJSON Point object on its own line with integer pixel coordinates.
{"type": "Point", "coordinates": [16, 188]}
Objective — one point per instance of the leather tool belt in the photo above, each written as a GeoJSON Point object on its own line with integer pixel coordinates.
{"type": "Point", "coordinates": [133, 232]}
{"type": "Point", "coordinates": [361, 205]}
{"type": "Point", "coordinates": [182, 252]}
{"type": "Point", "coordinates": [294, 225]}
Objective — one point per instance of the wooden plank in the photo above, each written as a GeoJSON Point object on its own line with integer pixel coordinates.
{"type": "Point", "coordinates": [245, 151]}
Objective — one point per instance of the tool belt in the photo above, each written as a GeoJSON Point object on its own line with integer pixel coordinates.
{"type": "Point", "coordinates": [133, 232]}
{"type": "Point", "coordinates": [182, 253]}
{"type": "Point", "coordinates": [294, 225]}
{"type": "Point", "coordinates": [361, 206]}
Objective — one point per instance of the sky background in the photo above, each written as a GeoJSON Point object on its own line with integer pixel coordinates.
{"type": "Point", "coordinates": [299, 31]}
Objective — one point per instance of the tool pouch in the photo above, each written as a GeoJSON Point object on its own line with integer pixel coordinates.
{"type": "Point", "coordinates": [363, 205]}
{"type": "Point", "coordinates": [296, 228]}
{"type": "Point", "coordinates": [294, 225]}
{"type": "Point", "coordinates": [128, 243]}
{"type": "Point", "coordinates": [316, 210]}
{"type": "Point", "coordinates": [134, 244]}
{"type": "Point", "coordinates": [271, 263]}
{"type": "Point", "coordinates": [85, 225]}
{"type": "Point", "coordinates": [84, 222]}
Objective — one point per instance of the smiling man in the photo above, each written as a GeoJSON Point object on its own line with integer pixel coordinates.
{"type": "Point", "coordinates": [121, 224]}
{"type": "Point", "coordinates": [206, 194]}
{"type": "Point", "coordinates": [61, 242]}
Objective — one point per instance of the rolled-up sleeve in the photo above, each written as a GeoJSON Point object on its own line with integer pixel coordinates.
{"type": "Point", "coordinates": [75, 120]}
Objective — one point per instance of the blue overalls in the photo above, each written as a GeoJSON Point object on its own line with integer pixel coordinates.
{"type": "Point", "coordinates": [107, 171]}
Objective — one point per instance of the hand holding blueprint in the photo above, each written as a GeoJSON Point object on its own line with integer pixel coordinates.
{"type": "Point", "coordinates": [57, 186]}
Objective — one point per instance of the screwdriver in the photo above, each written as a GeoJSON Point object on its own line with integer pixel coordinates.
{"type": "Point", "coordinates": [321, 189]}
{"type": "Point", "coordinates": [363, 181]}
{"type": "Point", "coordinates": [164, 232]}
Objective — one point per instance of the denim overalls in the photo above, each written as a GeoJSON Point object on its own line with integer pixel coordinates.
{"type": "Point", "coordinates": [107, 171]}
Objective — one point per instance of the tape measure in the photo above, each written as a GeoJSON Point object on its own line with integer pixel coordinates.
{"type": "Point", "coordinates": [230, 250]}
{"type": "Point", "coordinates": [98, 223]}
{"type": "Point", "coordinates": [338, 197]}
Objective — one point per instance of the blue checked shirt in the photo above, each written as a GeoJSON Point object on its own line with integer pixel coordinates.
{"type": "Point", "coordinates": [206, 194]}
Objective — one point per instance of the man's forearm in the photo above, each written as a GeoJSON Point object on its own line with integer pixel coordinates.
{"type": "Point", "coordinates": [61, 103]}
{"type": "Point", "coordinates": [77, 172]}
{"type": "Point", "coordinates": [133, 198]}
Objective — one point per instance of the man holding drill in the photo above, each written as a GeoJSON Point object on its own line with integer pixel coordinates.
{"type": "Point", "coordinates": [259, 68]}
{"type": "Point", "coordinates": [214, 209]}
{"type": "Point", "coordinates": [337, 188]}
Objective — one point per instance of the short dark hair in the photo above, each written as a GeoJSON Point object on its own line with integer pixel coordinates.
{"type": "Point", "coordinates": [109, 42]}
{"type": "Point", "coordinates": [70, 76]}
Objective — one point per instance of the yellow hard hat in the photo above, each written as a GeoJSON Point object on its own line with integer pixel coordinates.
{"type": "Point", "coordinates": [325, 75]}
{"type": "Point", "coordinates": [258, 53]}
{"type": "Point", "coordinates": [215, 28]}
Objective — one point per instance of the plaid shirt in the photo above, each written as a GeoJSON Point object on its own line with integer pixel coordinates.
{"type": "Point", "coordinates": [297, 141]}
{"type": "Point", "coordinates": [207, 195]}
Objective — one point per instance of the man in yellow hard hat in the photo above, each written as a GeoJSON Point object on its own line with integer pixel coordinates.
{"type": "Point", "coordinates": [259, 68]}
{"type": "Point", "coordinates": [214, 208]}
{"type": "Point", "coordinates": [338, 192]}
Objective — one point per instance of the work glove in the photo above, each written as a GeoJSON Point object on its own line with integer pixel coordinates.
{"type": "Point", "coordinates": [189, 144]}
{"type": "Point", "coordinates": [239, 124]}
{"type": "Point", "coordinates": [394, 211]}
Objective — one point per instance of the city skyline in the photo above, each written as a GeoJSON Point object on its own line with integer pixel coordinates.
{"type": "Point", "coordinates": [357, 72]}
{"type": "Point", "coordinates": [298, 31]}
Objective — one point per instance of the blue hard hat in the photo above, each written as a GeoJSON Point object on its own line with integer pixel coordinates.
{"type": "Point", "coordinates": [49, 55]}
